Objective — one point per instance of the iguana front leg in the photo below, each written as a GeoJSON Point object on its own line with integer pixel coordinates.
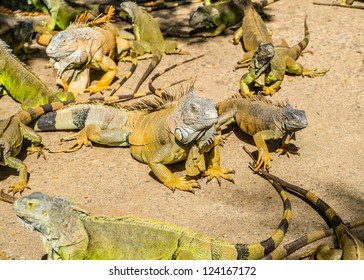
{"type": "Point", "coordinates": [272, 89]}
{"type": "Point", "coordinates": [214, 170]}
{"type": "Point", "coordinates": [17, 164]}
{"type": "Point", "coordinates": [216, 32]}
{"type": "Point", "coordinates": [246, 80]}
{"type": "Point", "coordinates": [171, 47]}
{"type": "Point", "coordinates": [109, 66]}
{"type": "Point", "coordinates": [165, 155]}
{"type": "Point", "coordinates": [264, 157]}
{"type": "Point", "coordinates": [288, 148]}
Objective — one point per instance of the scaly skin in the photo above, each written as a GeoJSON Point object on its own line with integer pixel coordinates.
{"type": "Point", "coordinates": [14, 129]}
{"type": "Point", "coordinates": [163, 132]}
{"type": "Point", "coordinates": [221, 15]}
{"type": "Point", "coordinates": [23, 85]}
{"type": "Point", "coordinates": [284, 61]}
{"type": "Point", "coordinates": [351, 247]}
{"type": "Point", "coordinates": [61, 13]}
{"type": "Point", "coordinates": [72, 234]}
{"type": "Point", "coordinates": [84, 45]}
{"type": "Point", "coordinates": [264, 121]}
{"type": "Point", "coordinates": [148, 38]}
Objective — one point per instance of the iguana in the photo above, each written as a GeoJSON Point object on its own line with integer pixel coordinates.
{"type": "Point", "coordinates": [70, 234]}
{"type": "Point", "coordinates": [220, 16]}
{"type": "Point", "coordinates": [264, 121]}
{"type": "Point", "coordinates": [23, 85]}
{"type": "Point", "coordinates": [84, 45]}
{"type": "Point", "coordinates": [252, 31]}
{"type": "Point", "coordinates": [16, 33]}
{"type": "Point", "coordinates": [148, 37]}
{"type": "Point", "coordinates": [351, 247]}
{"type": "Point", "coordinates": [283, 61]}
{"type": "Point", "coordinates": [14, 129]}
{"type": "Point", "coordinates": [60, 12]}
{"type": "Point", "coordinates": [170, 129]}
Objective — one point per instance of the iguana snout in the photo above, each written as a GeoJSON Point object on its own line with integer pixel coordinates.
{"type": "Point", "coordinates": [293, 120]}
{"type": "Point", "coordinates": [61, 45]}
{"type": "Point", "coordinates": [199, 19]}
{"type": "Point", "coordinates": [32, 211]}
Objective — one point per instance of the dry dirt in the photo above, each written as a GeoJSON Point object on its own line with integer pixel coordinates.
{"type": "Point", "coordinates": [108, 181]}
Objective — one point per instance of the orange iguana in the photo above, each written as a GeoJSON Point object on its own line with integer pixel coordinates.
{"type": "Point", "coordinates": [165, 131]}
{"type": "Point", "coordinates": [264, 121]}
{"type": "Point", "coordinates": [82, 46]}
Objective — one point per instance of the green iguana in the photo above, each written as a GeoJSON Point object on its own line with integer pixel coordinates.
{"type": "Point", "coordinates": [61, 13]}
{"type": "Point", "coordinates": [283, 61]}
{"type": "Point", "coordinates": [148, 38]}
{"type": "Point", "coordinates": [23, 85]}
{"type": "Point", "coordinates": [220, 16]}
{"type": "Point", "coordinates": [70, 234]}
{"type": "Point", "coordinates": [16, 33]}
{"type": "Point", "coordinates": [351, 247]}
{"type": "Point", "coordinates": [164, 131]}
{"type": "Point", "coordinates": [264, 121]}
{"type": "Point", "coordinates": [84, 45]}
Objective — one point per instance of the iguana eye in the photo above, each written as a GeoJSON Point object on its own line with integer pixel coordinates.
{"type": "Point", "coordinates": [194, 108]}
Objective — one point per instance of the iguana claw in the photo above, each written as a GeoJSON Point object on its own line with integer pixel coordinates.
{"type": "Point", "coordinates": [218, 173]}
{"type": "Point", "coordinates": [264, 160]}
{"type": "Point", "coordinates": [182, 184]}
{"type": "Point", "coordinates": [38, 150]}
{"type": "Point", "coordinates": [288, 149]}
{"type": "Point", "coordinates": [81, 140]}
{"type": "Point", "coordinates": [18, 188]}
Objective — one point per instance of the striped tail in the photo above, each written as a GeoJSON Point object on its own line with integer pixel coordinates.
{"type": "Point", "coordinates": [298, 48]}
{"type": "Point", "coordinates": [132, 69]}
{"type": "Point", "coordinates": [259, 250]}
{"type": "Point", "coordinates": [158, 91]}
{"type": "Point", "coordinates": [157, 56]}
{"type": "Point", "coordinates": [33, 113]}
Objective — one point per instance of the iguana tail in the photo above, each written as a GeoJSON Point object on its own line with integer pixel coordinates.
{"type": "Point", "coordinates": [263, 3]}
{"type": "Point", "coordinates": [33, 113]}
{"type": "Point", "coordinates": [157, 56]}
{"type": "Point", "coordinates": [134, 64]}
{"type": "Point", "coordinates": [298, 48]}
{"type": "Point", "coordinates": [259, 250]}
{"type": "Point", "coordinates": [159, 90]}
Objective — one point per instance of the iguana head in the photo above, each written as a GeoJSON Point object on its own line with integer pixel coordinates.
{"type": "Point", "coordinates": [201, 18]}
{"type": "Point", "coordinates": [262, 58]}
{"type": "Point", "coordinates": [62, 45]}
{"type": "Point", "coordinates": [195, 119]}
{"type": "Point", "coordinates": [129, 8]}
{"type": "Point", "coordinates": [293, 120]}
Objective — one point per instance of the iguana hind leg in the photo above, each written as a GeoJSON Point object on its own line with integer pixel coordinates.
{"type": "Point", "coordinates": [93, 133]}
{"type": "Point", "coordinates": [293, 67]}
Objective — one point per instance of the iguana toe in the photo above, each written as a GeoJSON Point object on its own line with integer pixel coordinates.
{"type": "Point", "coordinates": [182, 184]}
{"type": "Point", "coordinates": [264, 160]}
{"type": "Point", "coordinates": [18, 188]}
{"type": "Point", "coordinates": [288, 149]}
{"type": "Point", "coordinates": [38, 150]}
{"type": "Point", "coordinates": [218, 173]}
{"type": "Point", "coordinates": [96, 88]}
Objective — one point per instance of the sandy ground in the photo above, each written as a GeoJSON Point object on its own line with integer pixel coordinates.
{"type": "Point", "coordinates": [108, 181]}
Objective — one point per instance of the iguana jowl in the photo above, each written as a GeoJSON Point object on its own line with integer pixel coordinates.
{"type": "Point", "coordinates": [72, 234]}
{"type": "Point", "coordinates": [166, 131]}
{"type": "Point", "coordinates": [264, 121]}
